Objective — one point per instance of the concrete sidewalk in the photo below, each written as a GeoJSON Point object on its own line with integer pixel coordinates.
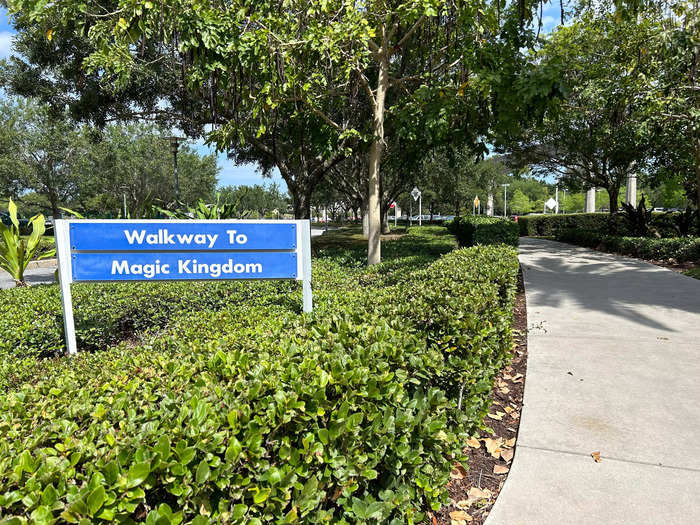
{"type": "Point", "coordinates": [613, 366]}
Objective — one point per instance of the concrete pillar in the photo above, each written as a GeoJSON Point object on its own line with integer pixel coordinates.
{"type": "Point", "coordinates": [489, 205]}
{"type": "Point", "coordinates": [631, 196]}
{"type": "Point", "coordinates": [590, 200]}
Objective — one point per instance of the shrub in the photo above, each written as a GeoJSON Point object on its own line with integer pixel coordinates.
{"type": "Point", "coordinates": [681, 248]}
{"type": "Point", "coordinates": [472, 231]}
{"type": "Point", "coordinates": [252, 413]}
{"type": "Point", "coordinates": [32, 320]}
{"type": "Point", "coordinates": [550, 225]}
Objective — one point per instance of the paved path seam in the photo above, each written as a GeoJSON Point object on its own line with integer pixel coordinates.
{"type": "Point", "coordinates": [611, 458]}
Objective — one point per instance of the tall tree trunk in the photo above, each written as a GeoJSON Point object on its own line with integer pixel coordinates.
{"type": "Point", "coordinates": [457, 206]}
{"type": "Point", "coordinates": [697, 168]}
{"type": "Point", "coordinates": [365, 220]}
{"type": "Point", "coordinates": [374, 245]}
{"type": "Point", "coordinates": [613, 194]}
{"type": "Point", "coordinates": [301, 200]}
{"type": "Point", "coordinates": [385, 220]}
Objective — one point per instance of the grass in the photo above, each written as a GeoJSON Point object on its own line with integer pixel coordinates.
{"type": "Point", "coordinates": [693, 272]}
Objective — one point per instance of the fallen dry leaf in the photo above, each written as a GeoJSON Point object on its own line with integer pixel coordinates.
{"type": "Point", "coordinates": [473, 442]}
{"type": "Point", "coordinates": [518, 378]}
{"type": "Point", "coordinates": [500, 469]}
{"type": "Point", "coordinates": [508, 409]}
{"type": "Point", "coordinates": [458, 472]}
{"type": "Point", "coordinates": [477, 493]}
{"type": "Point", "coordinates": [497, 416]}
{"type": "Point", "coordinates": [510, 442]}
{"type": "Point", "coordinates": [493, 446]}
{"type": "Point", "coordinates": [463, 504]}
{"type": "Point", "coordinates": [596, 456]}
{"type": "Point", "coordinates": [504, 390]}
{"type": "Point", "coordinates": [507, 455]}
{"type": "Point", "coordinates": [460, 515]}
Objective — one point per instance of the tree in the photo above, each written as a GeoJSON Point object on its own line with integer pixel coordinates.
{"type": "Point", "coordinates": [134, 162]}
{"type": "Point", "coordinates": [259, 198]}
{"type": "Point", "coordinates": [520, 203]}
{"type": "Point", "coordinates": [249, 59]}
{"type": "Point", "coordinates": [48, 162]}
{"type": "Point", "coordinates": [599, 134]}
{"type": "Point", "coordinates": [39, 153]}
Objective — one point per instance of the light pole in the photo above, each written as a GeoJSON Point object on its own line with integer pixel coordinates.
{"type": "Point", "coordinates": [564, 202]}
{"type": "Point", "coordinates": [556, 190]}
{"type": "Point", "coordinates": [505, 199]}
{"type": "Point", "coordinates": [174, 145]}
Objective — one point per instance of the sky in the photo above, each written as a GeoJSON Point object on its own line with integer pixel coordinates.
{"type": "Point", "coordinates": [231, 174]}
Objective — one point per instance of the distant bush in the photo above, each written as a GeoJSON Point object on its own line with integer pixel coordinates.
{"type": "Point", "coordinates": [550, 225]}
{"type": "Point", "coordinates": [680, 249]}
{"type": "Point", "coordinates": [252, 413]}
{"type": "Point", "coordinates": [473, 231]}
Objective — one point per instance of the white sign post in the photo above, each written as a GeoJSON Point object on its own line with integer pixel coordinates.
{"type": "Point", "coordinates": [156, 250]}
{"type": "Point", "coordinates": [417, 196]}
{"type": "Point", "coordinates": [551, 204]}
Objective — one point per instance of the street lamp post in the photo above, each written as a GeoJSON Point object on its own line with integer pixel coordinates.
{"type": "Point", "coordinates": [174, 145]}
{"type": "Point", "coordinates": [505, 199]}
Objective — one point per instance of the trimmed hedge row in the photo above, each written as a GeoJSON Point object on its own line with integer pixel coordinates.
{"type": "Point", "coordinates": [256, 414]}
{"type": "Point", "coordinates": [32, 323]}
{"type": "Point", "coordinates": [473, 231]}
{"type": "Point", "coordinates": [550, 225]}
{"type": "Point", "coordinates": [681, 248]}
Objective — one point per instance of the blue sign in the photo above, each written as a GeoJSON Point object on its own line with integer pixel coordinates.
{"type": "Point", "coordinates": [159, 236]}
{"type": "Point", "coordinates": [130, 266]}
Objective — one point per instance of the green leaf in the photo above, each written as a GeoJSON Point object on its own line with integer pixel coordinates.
{"type": "Point", "coordinates": [42, 516]}
{"type": "Point", "coordinates": [96, 499]}
{"type": "Point", "coordinates": [323, 435]}
{"type": "Point", "coordinates": [261, 496]}
{"type": "Point", "coordinates": [137, 474]}
{"type": "Point", "coordinates": [233, 451]}
{"type": "Point", "coordinates": [202, 471]}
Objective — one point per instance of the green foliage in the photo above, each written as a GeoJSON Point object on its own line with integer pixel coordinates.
{"type": "Point", "coordinates": [202, 210]}
{"type": "Point", "coordinates": [107, 313]}
{"type": "Point", "coordinates": [638, 218]}
{"type": "Point", "coordinates": [15, 251]}
{"type": "Point", "coordinates": [549, 225]}
{"type": "Point", "coordinates": [253, 413]}
{"type": "Point", "coordinates": [680, 249]}
{"type": "Point", "coordinates": [472, 231]}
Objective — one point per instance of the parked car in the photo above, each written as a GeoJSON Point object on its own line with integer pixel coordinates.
{"type": "Point", "coordinates": [5, 218]}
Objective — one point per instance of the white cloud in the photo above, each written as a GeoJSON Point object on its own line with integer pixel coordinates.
{"type": "Point", "coordinates": [5, 44]}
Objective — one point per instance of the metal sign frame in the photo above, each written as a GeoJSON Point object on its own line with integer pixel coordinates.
{"type": "Point", "coordinates": [68, 252]}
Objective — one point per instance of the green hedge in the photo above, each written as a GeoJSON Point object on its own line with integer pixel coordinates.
{"type": "Point", "coordinates": [255, 414]}
{"type": "Point", "coordinates": [472, 231]}
{"type": "Point", "coordinates": [680, 249]}
{"type": "Point", "coordinates": [32, 320]}
{"type": "Point", "coordinates": [550, 225]}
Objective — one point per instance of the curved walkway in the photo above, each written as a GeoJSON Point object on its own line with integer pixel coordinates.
{"type": "Point", "coordinates": [613, 366]}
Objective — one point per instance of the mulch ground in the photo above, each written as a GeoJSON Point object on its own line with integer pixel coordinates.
{"type": "Point", "coordinates": [473, 490]}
